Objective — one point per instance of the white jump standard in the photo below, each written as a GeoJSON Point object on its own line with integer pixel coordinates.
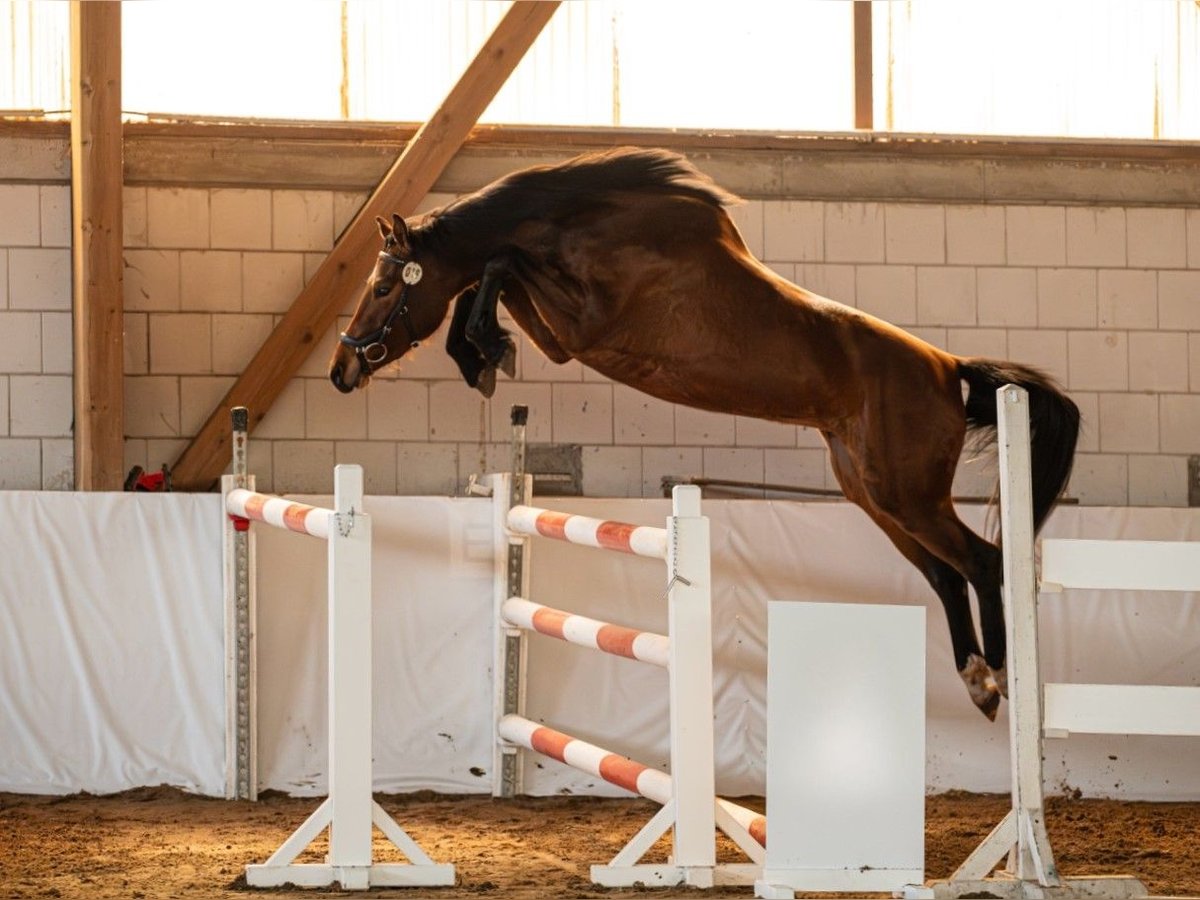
{"type": "Point", "coordinates": [349, 812]}
{"type": "Point", "coordinates": [687, 794]}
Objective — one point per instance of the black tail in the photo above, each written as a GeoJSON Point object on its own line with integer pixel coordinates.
{"type": "Point", "coordinates": [1053, 423]}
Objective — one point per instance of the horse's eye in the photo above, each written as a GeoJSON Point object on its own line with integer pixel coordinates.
{"type": "Point", "coordinates": [382, 290]}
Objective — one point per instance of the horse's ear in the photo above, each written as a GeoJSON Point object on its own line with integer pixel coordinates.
{"type": "Point", "coordinates": [385, 230]}
{"type": "Point", "coordinates": [400, 230]}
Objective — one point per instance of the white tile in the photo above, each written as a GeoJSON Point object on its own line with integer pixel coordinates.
{"type": "Point", "coordinates": [431, 362]}
{"type": "Point", "coordinates": [260, 461]}
{"type": "Point", "coordinates": [20, 222]}
{"type": "Point", "coordinates": [301, 220]}
{"type": "Point", "coordinates": [533, 365]}
{"type": "Point", "coordinates": [889, 292]}
{"type": "Point", "coordinates": [181, 343]}
{"type": "Point", "coordinates": [210, 280]}
{"type": "Point", "coordinates": [935, 336]}
{"type": "Point", "coordinates": [1036, 235]}
{"type": "Point", "coordinates": [3, 405]}
{"type": "Point", "coordinates": [1007, 297]}
{"type": "Point", "coordinates": [1098, 361]}
{"type": "Point", "coordinates": [426, 470]}
{"type": "Point", "coordinates": [1129, 423]}
{"type": "Point", "coordinates": [1158, 481]}
{"type": "Point", "coordinates": [761, 433]}
{"type": "Point", "coordinates": [285, 419]}
{"type": "Point", "coordinates": [1180, 423]}
{"type": "Point", "coordinates": [1095, 236]}
{"type": "Point", "coordinates": [1045, 349]}
{"type": "Point", "coordinates": [1157, 238]}
{"type": "Point", "coordinates": [20, 342]}
{"type": "Point", "coordinates": [41, 405]}
{"type": "Point", "coordinates": [1194, 362]}
{"type": "Point", "coordinates": [1066, 298]}
{"type": "Point", "coordinates": [536, 397]}
{"type": "Point", "coordinates": [612, 472]}
{"type": "Point", "coordinates": [303, 467]}
{"type": "Point", "coordinates": [945, 295]}
{"type": "Point", "coordinates": [331, 414]}
{"type": "Point", "coordinates": [1158, 361]}
{"type": "Point", "coordinates": [1127, 298]}
{"type": "Point", "coordinates": [1179, 300]}
{"type": "Point", "coordinates": [795, 468]}
{"type": "Point", "coordinates": [56, 215]}
{"type": "Point", "coordinates": [236, 338]}
{"type": "Point", "coordinates": [583, 413]}
{"type": "Point", "coordinates": [986, 342]}
{"type": "Point", "coordinates": [834, 282]}
{"type": "Point", "coordinates": [198, 397]}
{"type": "Point", "coordinates": [151, 280]}
{"type": "Point", "coordinates": [975, 235]}
{"type": "Point", "coordinates": [20, 464]}
{"type": "Point", "coordinates": [378, 461]}
{"type": "Point", "coordinates": [1089, 417]}
{"type": "Point", "coordinates": [668, 462]}
{"type": "Point", "coordinates": [734, 463]}
{"type": "Point", "coordinates": [698, 426]}
{"type": "Point", "coordinates": [177, 217]}
{"type": "Point", "coordinates": [39, 278]}
{"type": "Point", "coordinates": [137, 343]}
{"type": "Point", "coordinates": [133, 217]}
{"type": "Point", "coordinates": [457, 414]}
{"type": "Point", "coordinates": [241, 219]}
{"type": "Point", "coordinates": [749, 219]}
{"type": "Point", "coordinates": [915, 233]}
{"type": "Point", "coordinates": [152, 406]}
{"type": "Point", "coordinates": [854, 232]}
{"type": "Point", "coordinates": [640, 419]}
{"type": "Point", "coordinates": [3, 278]}
{"type": "Point", "coordinates": [1192, 222]}
{"type": "Point", "coordinates": [271, 281]}
{"type": "Point", "coordinates": [346, 205]}
{"type": "Point", "coordinates": [1100, 480]}
{"type": "Point", "coordinates": [397, 410]}
{"type": "Point", "coordinates": [793, 230]}
{"type": "Point", "coordinates": [478, 459]}
{"type": "Point", "coordinates": [135, 453]}
{"type": "Point", "coordinates": [160, 451]}
{"type": "Point", "coordinates": [58, 464]}
{"type": "Point", "coordinates": [57, 343]}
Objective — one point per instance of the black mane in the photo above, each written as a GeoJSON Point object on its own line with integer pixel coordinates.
{"type": "Point", "coordinates": [550, 190]}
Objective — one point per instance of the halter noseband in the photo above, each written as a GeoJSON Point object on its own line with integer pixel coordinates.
{"type": "Point", "coordinates": [370, 349]}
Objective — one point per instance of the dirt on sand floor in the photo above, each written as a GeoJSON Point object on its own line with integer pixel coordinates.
{"type": "Point", "coordinates": [161, 843]}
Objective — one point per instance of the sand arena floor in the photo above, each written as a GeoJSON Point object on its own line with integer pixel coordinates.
{"type": "Point", "coordinates": [160, 843]}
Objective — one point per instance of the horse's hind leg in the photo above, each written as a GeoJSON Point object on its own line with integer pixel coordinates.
{"type": "Point", "coordinates": [947, 582]}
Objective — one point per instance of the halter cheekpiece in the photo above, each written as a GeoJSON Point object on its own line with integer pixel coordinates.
{"type": "Point", "coordinates": [370, 349]}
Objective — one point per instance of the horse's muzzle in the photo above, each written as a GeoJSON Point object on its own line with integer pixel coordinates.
{"type": "Point", "coordinates": [336, 375]}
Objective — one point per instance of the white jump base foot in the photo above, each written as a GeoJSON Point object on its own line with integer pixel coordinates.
{"type": "Point", "coordinates": [667, 875]}
{"type": "Point", "coordinates": [1100, 887]}
{"type": "Point", "coordinates": [785, 883]}
{"type": "Point", "coordinates": [350, 878]}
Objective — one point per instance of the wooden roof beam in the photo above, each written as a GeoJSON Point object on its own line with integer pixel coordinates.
{"type": "Point", "coordinates": [340, 276]}
{"type": "Point", "coordinates": [96, 251]}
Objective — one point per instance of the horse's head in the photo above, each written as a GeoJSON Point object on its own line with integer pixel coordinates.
{"type": "Point", "coordinates": [403, 304]}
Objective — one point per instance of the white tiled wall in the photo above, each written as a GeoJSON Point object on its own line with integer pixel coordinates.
{"type": "Point", "coordinates": [1107, 299]}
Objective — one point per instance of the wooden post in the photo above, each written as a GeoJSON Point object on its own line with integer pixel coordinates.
{"type": "Point", "coordinates": [864, 98]}
{"type": "Point", "coordinates": [96, 245]}
{"type": "Point", "coordinates": [340, 276]}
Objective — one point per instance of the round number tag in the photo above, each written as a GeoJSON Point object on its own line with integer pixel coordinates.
{"type": "Point", "coordinates": [411, 273]}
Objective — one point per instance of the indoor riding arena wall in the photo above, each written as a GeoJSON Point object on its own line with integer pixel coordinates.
{"type": "Point", "coordinates": [1081, 258]}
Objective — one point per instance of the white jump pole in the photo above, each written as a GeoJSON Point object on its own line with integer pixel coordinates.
{"type": "Point", "coordinates": [349, 812]}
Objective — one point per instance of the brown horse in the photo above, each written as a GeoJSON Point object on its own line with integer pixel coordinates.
{"type": "Point", "coordinates": [627, 261]}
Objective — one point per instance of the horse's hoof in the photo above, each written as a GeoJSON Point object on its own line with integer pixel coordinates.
{"type": "Point", "coordinates": [508, 362]}
{"type": "Point", "coordinates": [978, 678]}
{"type": "Point", "coordinates": [1000, 677]}
{"type": "Point", "coordinates": [486, 384]}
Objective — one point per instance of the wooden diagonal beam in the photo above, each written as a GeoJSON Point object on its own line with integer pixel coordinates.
{"type": "Point", "coordinates": [340, 276]}
{"type": "Point", "coordinates": [96, 252]}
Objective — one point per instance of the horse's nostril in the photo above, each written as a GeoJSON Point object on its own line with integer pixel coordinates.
{"type": "Point", "coordinates": [335, 375]}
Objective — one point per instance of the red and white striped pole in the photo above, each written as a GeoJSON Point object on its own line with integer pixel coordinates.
{"type": "Point", "coordinates": [596, 635]}
{"type": "Point", "coordinates": [640, 540]}
{"type": "Point", "coordinates": [298, 517]}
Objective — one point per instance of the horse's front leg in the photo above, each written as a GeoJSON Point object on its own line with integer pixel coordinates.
{"type": "Point", "coordinates": [494, 343]}
{"type": "Point", "coordinates": [470, 361]}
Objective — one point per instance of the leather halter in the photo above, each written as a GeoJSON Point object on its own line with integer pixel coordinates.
{"type": "Point", "coordinates": [370, 349]}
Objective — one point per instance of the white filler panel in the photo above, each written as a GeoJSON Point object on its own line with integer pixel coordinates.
{"type": "Point", "coordinates": [845, 748]}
